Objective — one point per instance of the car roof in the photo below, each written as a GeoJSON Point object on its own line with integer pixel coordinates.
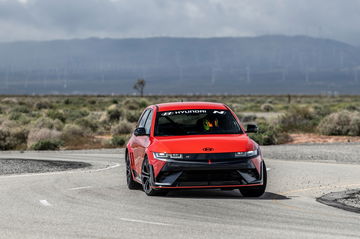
{"type": "Point", "coordinates": [190, 105]}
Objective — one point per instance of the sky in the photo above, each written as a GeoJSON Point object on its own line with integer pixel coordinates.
{"type": "Point", "coordinates": [65, 19]}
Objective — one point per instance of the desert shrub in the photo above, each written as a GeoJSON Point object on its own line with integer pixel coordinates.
{"type": "Point", "coordinates": [9, 123]}
{"type": "Point", "coordinates": [135, 104]}
{"type": "Point", "coordinates": [352, 107]}
{"type": "Point", "coordinates": [19, 136]}
{"type": "Point", "coordinates": [299, 118]}
{"type": "Point", "coordinates": [45, 122]}
{"type": "Point", "coordinates": [43, 105]}
{"type": "Point", "coordinates": [115, 113]}
{"type": "Point", "coordinates": [321, 110]}
{"type": "Point", "coordinates": [248, 118]}
{"type": "Point", "coordinates": [104, 119]}
{"type": "Point", "coordinates": [72, 131]}
{"type": "Point", "coordinates": [269, 134]}
{"type": "Point", "coordinates": [143, 103]}
{"type": "Point", "coordinates": [55, 114]}
{"type": "Point", "coordinates": [118, 140]}
{"type": "Point", "coordinates": [355, 126]}
{"type": "Point", "coordinates": [14, 116]}
{"type": "Point", "coordinates": [4, 142]}
{"type": "Point", "coordinates": [74, 114]}
{"type": "Point", "coordinates": [87, 124]}
{"type": "Point", "coordinates": [36, 135]}
{"type": "Point", "coordinates": [10, 100]}
{"type": "Point", "coordinates": [92, 102]}
{"type": "Point", "coordinates": [123, 127]}
{"type": "Point", "coordinates": [13, 138]}
{"type": "Point", "coordinates": [133, 116]}
{"type": "Point", "coordinates": [95, 115]}
{"type": "Point", "coordinates": [47, 144]}
{"type": "Point", "coordinates": [21, 109]}
{"type": "Point", "coordinates": [67, 101]}
{"type": "Point", "coordinates": [19, 118]}
{"type": "Point", "coordinates": [131, 104]}
{"type": "Point", "coordinates": [340, 123]}
{"type": "Point", "coordinates": [267, 107]}
{"type": "Point", "coordinates": [35, 114]}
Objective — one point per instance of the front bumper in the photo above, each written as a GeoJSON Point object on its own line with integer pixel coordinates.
{"type": "Point", "coordinates": [209, 174]}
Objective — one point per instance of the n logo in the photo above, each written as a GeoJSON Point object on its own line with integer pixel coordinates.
{"type": "Point", "coordinates": [218, 112]}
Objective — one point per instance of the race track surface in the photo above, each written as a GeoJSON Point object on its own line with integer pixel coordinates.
{"type": "Point", "coordinates": [95, 203]}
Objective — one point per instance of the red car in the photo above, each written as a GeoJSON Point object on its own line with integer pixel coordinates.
{"type": "Point", "coordinates": [193, 145]}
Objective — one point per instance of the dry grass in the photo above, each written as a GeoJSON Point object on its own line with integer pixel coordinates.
{"type": "Point", "coordinates": [79, 120]}
{"type": "Point", "coordinates": [36, 135]}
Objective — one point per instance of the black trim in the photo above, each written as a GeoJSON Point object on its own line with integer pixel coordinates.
{"type": "Point", "coordinates": [213, 157]}
{"type": "Point", "coordinates": [241, 172]}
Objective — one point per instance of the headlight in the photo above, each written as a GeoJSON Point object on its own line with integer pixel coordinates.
{"type": "Point", "coordinates": [166, 156]}
{"type": "Point", "coordinates": [246, 154]}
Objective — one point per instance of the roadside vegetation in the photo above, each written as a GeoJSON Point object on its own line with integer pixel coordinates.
{"type": "Point", "coordinates": [75, 122]}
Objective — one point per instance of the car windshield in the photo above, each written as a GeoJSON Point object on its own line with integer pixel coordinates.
{"type": "Point", "coordinates": [196, 122]}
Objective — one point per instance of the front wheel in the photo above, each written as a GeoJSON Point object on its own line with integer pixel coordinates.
{"type": "Point", "coordinates": [255, 191]}
{"type": "Point", "coordinates": [147, 181]}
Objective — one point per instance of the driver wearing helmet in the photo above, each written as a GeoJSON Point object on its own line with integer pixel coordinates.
{"type": "Point", "coordinates": [210, 123]}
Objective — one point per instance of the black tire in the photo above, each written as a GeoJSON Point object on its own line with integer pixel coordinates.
{"type": "Point", "coordinates": [147, 181]}
{"type": "Point", "coordinates": [131, 183]}
{"type": "Point", "coordinates": [256, 191]}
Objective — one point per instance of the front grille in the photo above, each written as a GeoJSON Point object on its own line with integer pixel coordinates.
{"type": "Point", "coordinates": [209, 178]}
{"type": "Point", "coordinates": [213, 157]}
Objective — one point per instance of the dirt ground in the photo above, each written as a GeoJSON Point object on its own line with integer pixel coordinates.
{"type": "Point", "coordinates": [315, 138]}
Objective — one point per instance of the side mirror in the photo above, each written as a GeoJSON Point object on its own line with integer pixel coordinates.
{"type": "Point", "coordinates": [140, 131]}
{"type": "Point", "coordinates": [251, 128]}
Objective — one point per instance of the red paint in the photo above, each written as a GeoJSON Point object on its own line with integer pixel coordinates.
{"type": "Point", "coordinates": [139, 146]}
{"type": "Point", "coordinates": [220, 186]}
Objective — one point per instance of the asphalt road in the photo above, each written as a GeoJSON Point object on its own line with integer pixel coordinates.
{"type": "Point", "coordinates": [95, 203]}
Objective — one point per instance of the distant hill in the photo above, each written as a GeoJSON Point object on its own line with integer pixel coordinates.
{"type": "Point", "coordinates": [246, 65]}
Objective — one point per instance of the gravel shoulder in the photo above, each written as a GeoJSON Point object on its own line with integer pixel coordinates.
{"type": "Point", "coordinates": [332, 152]}
{"type": "Point", "coordinates": [21, 166]}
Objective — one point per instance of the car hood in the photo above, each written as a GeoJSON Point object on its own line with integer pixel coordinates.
{"type": "Point", "coordinates": [203, 144]}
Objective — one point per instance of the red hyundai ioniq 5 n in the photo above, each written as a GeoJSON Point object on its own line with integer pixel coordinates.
{"type": "Point", "coordinates": [193, 145]}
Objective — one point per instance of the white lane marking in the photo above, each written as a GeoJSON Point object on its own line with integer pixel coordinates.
{"type": "Point", "coordinates": [106, 168]}
{"type": "Point", "coordinates": [335, 186]}
{"type": "Point", "coordinates": [60, 172]}
{"type": "Point", "coordinates": [45, 203]}
{"type": "Point", "coordinates": [268, 169]}
{"type": "Point", "coordinates": [146, 222]}
{"type": "Point", "coordinates": [79, 188]}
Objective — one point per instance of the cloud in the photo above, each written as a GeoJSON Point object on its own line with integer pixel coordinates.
{"type": "Point", "coordinates": [51, 19]}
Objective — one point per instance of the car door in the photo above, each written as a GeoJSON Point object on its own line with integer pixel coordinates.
{"type": "Point", "coordinates": [140, 143]}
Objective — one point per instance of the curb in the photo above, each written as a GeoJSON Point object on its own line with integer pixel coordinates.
{"type": "Point", "coordinates": [332, 199]}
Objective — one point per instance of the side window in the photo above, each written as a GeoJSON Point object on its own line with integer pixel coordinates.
{"type": "Point", "coordinates": [143, 118]}
{"type": "Point", "coordinates": [148, 122]}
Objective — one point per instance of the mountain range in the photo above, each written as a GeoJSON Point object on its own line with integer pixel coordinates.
{"type": "Point", "coordinates": [273, 64]}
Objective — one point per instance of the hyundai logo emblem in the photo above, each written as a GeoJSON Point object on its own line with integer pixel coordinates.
{"type": "Point", "coordinates": [208, 149]}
